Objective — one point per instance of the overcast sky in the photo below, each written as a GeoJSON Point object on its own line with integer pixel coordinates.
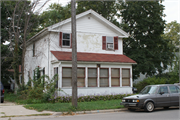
{"type": "Point", "coordinates": [172, 9]}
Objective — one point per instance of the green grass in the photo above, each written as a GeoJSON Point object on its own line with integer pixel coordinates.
{"type": "Point", "coordinates": [82, 106]}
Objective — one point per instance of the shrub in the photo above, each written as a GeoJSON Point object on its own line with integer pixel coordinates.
{"type": "Point", "coordinates": [89, 98]}
{"type": "Point", "coordinates": [150, 81]}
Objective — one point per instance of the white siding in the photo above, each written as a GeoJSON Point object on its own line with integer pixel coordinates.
{"type": "Point", "coordinates": [86, 42]}
{"type": "Point", "coordinates": [89, 24]}
{"type": "Point", "coordinates": [40, 59]}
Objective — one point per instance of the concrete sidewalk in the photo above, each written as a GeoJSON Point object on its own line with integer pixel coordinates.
{"type": "Point", "coordinates": [12, 109]}
{"type": "Point", "coordinates": [8, 109]}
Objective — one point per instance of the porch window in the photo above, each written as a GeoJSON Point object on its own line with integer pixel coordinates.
{"type": "Point", "coordinates": [104, 77]}
{"type": "Point", "coordinates": [92, 77]}
{"type": "Point", "coordinates": [66, 77]}
{"type": "Point", "coordinates": [81, 77]}
{"type": "Point", "coordinates": [115, 77]}
{"type": "Point", "coordinates": [125, 77]}
{"type": "Point", "coordinates": [56, 78]}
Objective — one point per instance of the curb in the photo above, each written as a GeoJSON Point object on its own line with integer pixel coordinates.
{"type": "Point", "coordinates": [89, 112]}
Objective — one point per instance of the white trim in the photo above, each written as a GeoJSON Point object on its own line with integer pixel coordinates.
{"type": "Point", "coordinates": [109, 63]}
{"type": "Point", "coordinates": [92, 12]}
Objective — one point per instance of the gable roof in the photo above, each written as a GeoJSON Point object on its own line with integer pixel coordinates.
{"type": "Point", "coordinates": [95, 14]}
{"type": "Point", "coordinates": [92, 57]}
{"type": "Point", "coordinates": [92, 12]}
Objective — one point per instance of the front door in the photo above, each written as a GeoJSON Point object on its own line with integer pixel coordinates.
{"type": "Point", "coordinates": [163, 97]}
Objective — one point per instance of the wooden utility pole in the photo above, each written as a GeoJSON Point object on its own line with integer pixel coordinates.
{"type": "Point", "coordinates": [74, 53]}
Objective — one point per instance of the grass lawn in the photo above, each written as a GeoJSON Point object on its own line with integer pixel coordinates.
{"type": "Point", "coordinates": [82, 106]}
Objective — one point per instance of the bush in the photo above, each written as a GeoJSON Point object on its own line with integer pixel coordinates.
{"type": "Point", "coordinates": [150, 81]}
{"type": "Point", "coordinates": [89, 98]}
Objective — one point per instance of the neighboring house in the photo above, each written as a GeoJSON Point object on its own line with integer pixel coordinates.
{"type": "Point", "coordinates": [102, 67]}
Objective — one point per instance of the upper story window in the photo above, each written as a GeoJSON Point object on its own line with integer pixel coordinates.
{"type": "Point", "coordinates": [65, 40]}
{"type": "Point", "coordinates": [33, 50]}
{"type": "Point", "coordinates": [109, 43]}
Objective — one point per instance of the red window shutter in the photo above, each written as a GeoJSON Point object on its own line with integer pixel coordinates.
{"type": "Point", "coordinates": [71, 41]}
{"type": "Point", "coordinates": [60, 39]}
{"type": "Point", "coordinates": [104, 42]}
{"type": "Point", "coordinates": [116, 43]}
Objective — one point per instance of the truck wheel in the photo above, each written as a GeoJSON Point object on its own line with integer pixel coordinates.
{"type": "Point", "coordinates": [149, 107]}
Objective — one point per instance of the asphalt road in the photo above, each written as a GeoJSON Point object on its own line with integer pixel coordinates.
{"type": "Point", "coordinates": [159, 114]}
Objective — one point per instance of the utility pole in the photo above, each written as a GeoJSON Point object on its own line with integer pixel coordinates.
{"type": "Point", "coordinates": [74, 53]}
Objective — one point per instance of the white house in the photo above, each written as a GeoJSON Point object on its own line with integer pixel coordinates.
{"type": "Point", "coordinates": [102, 67]}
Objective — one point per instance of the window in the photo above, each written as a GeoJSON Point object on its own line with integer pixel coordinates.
{"type": "Point", "coordinates": [65, 40]}
{"type": "Point", "coordinates": [56, 77]}
{"type": "Point", "coordinates": [104, 77]}
{"type": "Point", "coordinates": [115, 77]}
{"type": "Point", "coordinates": [92, 77]}
{"type": "Point", "coordinates": [174, 89]}
{"type": "Point", "coordinates": [109, 43]}
{"type": "Point", "coordinates": [163, 89]}
{"type": "Point", "coordinates": [43, 77]}
{"type": "Point", "coordinates": [66, 77]}
{"type": "Point", "coordinates": [33, 49]}
{"type": "Point", "coordinates": [125, 77]}
{"type": "Point", "coordinates": [81, 77]}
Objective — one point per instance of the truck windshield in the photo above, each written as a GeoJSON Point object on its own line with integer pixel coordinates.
{"type": "Point", "coordinates": [149, 90]}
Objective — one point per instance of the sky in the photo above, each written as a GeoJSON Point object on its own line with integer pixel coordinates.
{"type": "Point", "coordinates": [172, 9]}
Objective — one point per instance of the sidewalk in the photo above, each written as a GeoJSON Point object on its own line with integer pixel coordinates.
{"type": "Point", "coordinates": [8, 109]}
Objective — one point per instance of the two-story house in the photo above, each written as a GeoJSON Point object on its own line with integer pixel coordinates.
{"type": "Point", "coordinates": [102, 67]}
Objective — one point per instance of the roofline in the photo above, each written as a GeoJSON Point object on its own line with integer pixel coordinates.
{"type": "Point", "coordinates": [70, 61]}
{"type": "Point", "coordinates": [96, 15]}
{"type": "Point", "coordinates": [36, 35]}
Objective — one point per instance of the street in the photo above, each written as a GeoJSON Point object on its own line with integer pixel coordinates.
{"type": "Point", "coordinates": [158, 114]}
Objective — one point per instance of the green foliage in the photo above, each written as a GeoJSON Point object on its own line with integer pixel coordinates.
{"type": "Point", "coordinates": [6, 59]}
{"type": "Point", "coordinates": [108, 9]}
{"type": "Point", "coordinates": [38, 91]}
{"type": "Point", "coordinates": [143, 21]}
{"type": "Point", "coordinates": [166, 78]}
{"type": "Point", "coordinates": [56, 13]}
{"type": "Point", "coordinates": [90, 98]}
{"type": "Point", "coordinates": [171, 32]}
{"type": "Point", "coordinates": [82, 106]}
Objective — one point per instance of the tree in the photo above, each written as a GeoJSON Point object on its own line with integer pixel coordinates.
{"type": "Point", "coordinates": [22, 19]}
{"type": "Point", "coordinates": [56, 13]}
{"type": "Point", "coordinates": [171, 33]}
{"type": "Point", "coordinates": [143, 21]}
{"type": "Point", "coordinates": [6, 59]}
{"type": "Point", "coordinates": [108, 9]}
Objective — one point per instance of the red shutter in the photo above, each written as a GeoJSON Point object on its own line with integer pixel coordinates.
{"type": "Point", "coordinates": [71, 41]}
{"type": "Point", "coordinates": [104, 42]}
{"type": "Point", "coordinates": [60, 39]}
{"type": "Point", "coordinates": [116, 43]}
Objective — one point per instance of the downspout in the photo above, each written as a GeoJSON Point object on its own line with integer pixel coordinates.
{"type": "Point", "coordinates": [48, 54]}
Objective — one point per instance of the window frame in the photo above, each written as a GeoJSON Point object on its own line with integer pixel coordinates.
{"type": "Point", "coordinates": [105, 43]}
{"type": "Point", "coordinates": [115, 77]}
{"type": "Point", "coordinates": [70, 43]}
{"type": "Point", "coordinates": [126, 77]}
{"type": "Point", "coordinates": [92, 77]}
{"type": "Point", "coordinates": [103, 77]}
{"type": "Point", "coordinates": [56, 72]}
{"type": "Point", "coordinates": [66, 77]}
{"type": "Point", "coordinates": [33, 50]}
{"type": "Point", "coordinates": [82, 77]}
{"type": "Point", "coordinates": [109, 43]}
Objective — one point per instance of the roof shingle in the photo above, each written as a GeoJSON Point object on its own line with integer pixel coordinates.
{"type": "Point", "coordinates": [92, 57]}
